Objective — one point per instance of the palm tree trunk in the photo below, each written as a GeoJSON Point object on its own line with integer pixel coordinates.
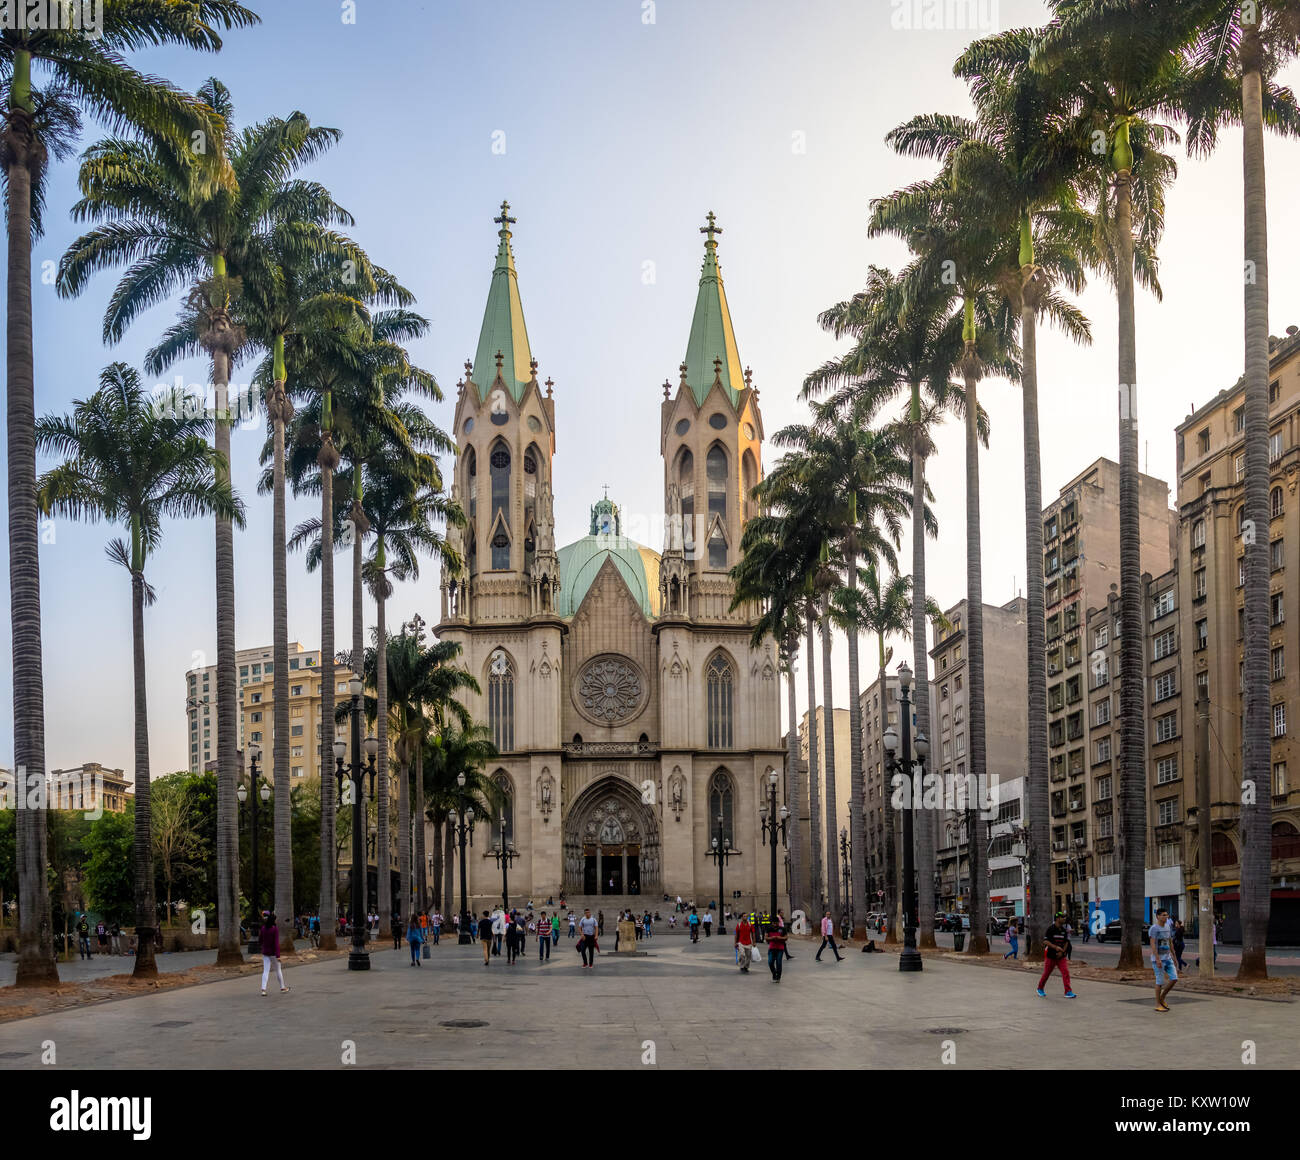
{"type": "Point", "coordinates": [976, 783]}
{"type": "Point", "coordinates": [421, 863]}
{"type": "Point", "coordinates": [798, 871]}
{"type": "Point", "coordinates": [1256, 757]}
{"type": "Point", "coordinates": [383, 861]}
{"type": "Point", "coordinates": [857, 788]}
{"type": "Point", "coordinates": [814, 785]}
{"type": "Point", "coordinates": [229, 952]}
{"type": "Point", "coordinates": [1132, 785]}
{"type": "Point", "coordinates": [405, 907]}
{"type": "Point", "coordinates": [22, 152]}
{"type": "Point", "coordinates": [1036, 786]}
{"type": "Point", "coordinates": [448, 886]}
{"type": "Point", "coordinates": [281, 410]}
{"type": "Point", "coordinates": [146, 912]}
{"type": "Point", "coordinates": [828, 730]}
{"type": "Point", "coordinates": [438, 866]}
{"type": "Point", "coordinates": [891, 822]}
{"type": "Point", "coordinates": [923, 827]}
{"type": "Point", "coordinates": [359, 528]}
{"type": "Point", "coordinates": [328, 459]}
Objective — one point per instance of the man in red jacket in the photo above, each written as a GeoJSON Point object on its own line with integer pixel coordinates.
{"type": "Point", "coordinates": [744, 943]}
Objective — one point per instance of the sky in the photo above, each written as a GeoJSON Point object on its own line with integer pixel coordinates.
{"type": "Point", "coordinates": [612, 127]}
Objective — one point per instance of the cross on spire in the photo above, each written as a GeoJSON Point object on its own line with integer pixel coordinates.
{"type": "Point", "coordinates": [711, 229]}
{"type": "Point", "coordinates": [606, 486]}
{"type": "Point", "coordinates": [505, 221]}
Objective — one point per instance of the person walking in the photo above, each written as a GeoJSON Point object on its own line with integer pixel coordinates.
{"type": "Point", "coordinates": [1180, 943]}
{"type": "Point", "coordinates": [555, 928]}
{"type": "Point", "coordinates": [271, 951]}
{"type": "Point", "coordinates": [600, 923]}
{"type": "Point", "coordinates": [315, 930]}
{"type": "Point", "coordinates": [512, 941]}
{"type": "Point", "coordinates": [397, 929]}
{"type": "Point", "coordinates": [744, 943]}
{"type": "Point", "coordinates": [1012, 939]}
{"type": "Point", "coordinates": [708, 924]}
{"type": "Point", "coordinates": [694, 920]}
{"type": "Point", "coordinates": [775, 951]}
{"type": "Point", "coordinates": [116, 936]}
{"type": "Point", "coordinates": [587, 946]}
{"type": "Point", "coordinates": [83, 937]}
{"type": "Point", "coordinates": [414, 936]}
{"type": "Point", "coordinates": [1161, 935]}
{"type": "Point", "coordinates": [543, 939]}
{"type": "Point", "coordinates": [436, 923]}
{"type": "Point", "coordinates": [485, 935]}
{"type": "Point", "coordinates": [645, 922]}
{"type": "Point", "coordinates": [101, 937]}
{"type": "Point", "coordinates": [828, 936]}
{"type": "Point", "coordinates": [573, 925]}
{"type": "Point", "coordinates": [1054, 948]}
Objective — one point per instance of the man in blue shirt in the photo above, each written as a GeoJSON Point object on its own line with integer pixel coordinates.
{"type": "Point", "coordinates": [1161, 935]}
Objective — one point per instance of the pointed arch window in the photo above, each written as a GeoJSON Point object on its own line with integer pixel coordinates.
{"type": "Point", "coordinates": [499, 462]}
{"type": "Point", "coordinates": [749, 479]}
{"type": "Point", "coordinates": [719, 679]}
{"type": "Point", "coordinates": [715, 470]}
{"type": "Point", "coordinates": [471, 481]}
{"type": "Point", "coordinates": [504, 819]}
{"type": "Point", "coordinates": [722, 799]}
{"type": "Point", "coordinates": [686, 484]}
{"type": "Point", "coordinates": [501, 701]}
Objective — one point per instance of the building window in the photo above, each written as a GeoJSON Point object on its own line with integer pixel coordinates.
{"type": "Point", "coordinates": [1106, 826]}
{"type": "Point", "coordinates": [1279, 663]}
{"type": "Point", "coordinates": [499, 471]}
{"type": "Point", "coordinates": [720, 684]}
{"type": "Point", "coordinates": [961, 744]}
{"type": "Point", "coordinates": [957, 684]}
{"type": "Point", "coordinates": [1103, 712]}
{"type": "Point", "coordinates": [297, 771]}
{"type": "Point", "coordinates": [943, 692]}
{"type": "Point", "coordinates": [293, 664]}
{"type": "Point", "coordinates": [1203, 441]}
{"type": "Point", "coordinates": [1275, 502]}
{"type": "Point", "coordinates": [1163, 686]}
{"type": "Point", "coordinates": [1277, 609]}
{"type": "Point", "coordinates": [1101, 637]}
{"type": "Point", "coordinates": [256, 718]}
{"type": "Point", "coordinates": [1168, 854]}
{"type": "Point", "coordinates": [1279, 719]}
{"type": "Point", "coordinates": [1274, 392]}
{"type": "Point", "coordinates": [1275, 447]}
{"type": "Point", "coordinates": [1239, 420]}
{"type": "Point", "coordinates": [1164, 645]}
{"type": "Point", "coordinates": [295, 731]}
{"type": "Point", "coordinates": [1167, 769]}
{"type": "Point", "coordinates": [1198, 583]}
{"type": "Point", "coordinates": [1167, 812]}
{"type": "Point", "coordinates": [1167, 727]}
{"type": "Point", "coordinates": [1240, 467]}
{"type": "Point", "coordinates": [722, 798]}
{"type": "Point", "coordinates": [1103, 749]}
{"type": "Point", "coordinates": [1279, 778]}
{"type": "Point", "coordinates": [1202, 634]}
{"type": "Point", "coordinates": [958, 714]}
{"type": "Point", "coordinates": [1163, 604]}
{"type": "Point", "coordinates": [501, 701]}
{"type": "Point", "coordinates": [715, 469]}
{"type": "Point", "coordinates": [1276, 560]}
{"type": "Point", "coordinates": [503, 821]}
{"type": "Point", "coordinates": [295, 690]}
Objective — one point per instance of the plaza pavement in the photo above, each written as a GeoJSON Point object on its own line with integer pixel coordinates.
{"type": "Point", "coordinates": [689, 1001]}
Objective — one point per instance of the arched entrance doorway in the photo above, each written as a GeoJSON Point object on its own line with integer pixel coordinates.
{"type": "Point", "coordinates": [611, 842]}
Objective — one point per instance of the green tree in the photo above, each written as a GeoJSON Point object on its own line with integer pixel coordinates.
{"type": "Point", "coordinates": [85, 74]}
{"type": "Point", "coordinates": [109, 877]}
{"type": "Point", "coordinates": [450, 752]}
{"type": "Point", "coordinates": [178, 845]}
{"type": "Point", "coordinates": [135, 462]}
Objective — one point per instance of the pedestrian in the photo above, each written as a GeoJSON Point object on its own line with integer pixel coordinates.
{"type": "Point", "coordinates": [512, 941]}
{"type": "Point", "coordinates": [645, 922]}
{"type": "Point", "coordinates": [543, 939]}
{"type": "Point", "coordinates": [397, 929]}
{"type": "Point", "coordinates": [315, 930]}
{"type": "Point", "coordinates": [600, 924]}
{"type": "Point", "coordinates": [679, 905]}
{"type": "Point", "coordinates": [828, 936]}
{"type": "Point", "coordinates": [672, 921]}
{"type": "Point", "coordinates": [83, 937]}
{"type": "Point", "coordinates": [587, 945]}
{"type": "Point", "coordinates": [1012, 939]}
{"type": "Point", "coordinates": [414, 936]}
{"type": "Point", "coordinates": [1180, 943]}
{"type": "Point", "coordinates": [573, 925]}
{"type": "Point", "coordinates": [694, 920]}
{"type": "Point", "coordinates": [708, 924]}
{"type": "Point", "coordinates": [117, 938]}
{"type": "Point", "coordinates": [744, 943]}
{"type": "Point", "coordinates": [555, 928]}
{"type": "Point", "coordinates": [424, 924]}
{"type": "Point", "coordinates": [271, 951]}
{"type": "Point", "coordinates": [775, 951]}
{"type": "Point", "coordinates": [1161, 935]}
{"type": "Point", "coordinates": [485, 935]}
{"type": "Point", "coordinates": [1054, 956]}
{"type": "Point", "coordinates": [101, 937]}
{"type": "Point", "coordinates": [436, 923]}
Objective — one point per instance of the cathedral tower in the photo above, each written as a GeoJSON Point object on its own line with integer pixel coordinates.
{"type": "Point", "coordinates": [711, 440]}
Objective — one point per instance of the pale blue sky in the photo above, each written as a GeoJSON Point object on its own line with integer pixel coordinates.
{"type": "Point", "coordinates": [619, 136]}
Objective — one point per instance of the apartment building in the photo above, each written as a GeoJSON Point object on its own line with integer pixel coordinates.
{"type": "Point", "coordinates": [1006, 728]}
{"type": "Point", "coordinates": [839, 746]}
{"type": "Point", "coordinates": [1008, 862]}
{"type": "Point", "coordinates": [1211, 577]}
{"type": "Point", "coordinates": [257, 705]}
{"type": "Point", "coordinates": [201, 699]}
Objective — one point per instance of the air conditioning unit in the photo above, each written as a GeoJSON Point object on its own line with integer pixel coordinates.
{"type": "Point", "coordinates": [1052, 670]}
{"type": "Point", "coordinates": [1058, 846]}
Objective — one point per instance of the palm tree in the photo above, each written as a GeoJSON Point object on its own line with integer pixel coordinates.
{"type": "Point", "coordinates": [178, 233]}
{"type": "Point", "coordinates": [1124, 74]}
{"type": "Point", "coordinates": [86, 74]}
{"type": "Point", "coordinates": [911, 345]}
{"type": "Point", "coordinates": [133, 462]}
{"type": "Point", "coordinates": [1253, 40]}
{"type": "Point", "coordinates": [450, 752]}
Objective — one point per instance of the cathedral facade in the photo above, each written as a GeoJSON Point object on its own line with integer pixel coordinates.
{"type": "Point", "coordinates": [635, 722]}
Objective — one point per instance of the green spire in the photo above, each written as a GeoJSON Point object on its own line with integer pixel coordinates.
{"type": "Point", "coordinates": [712, 340]}
{"type": "Point", "coordinates": [606, 519]}
{"type": "Point", "coordinates": [503, 322]}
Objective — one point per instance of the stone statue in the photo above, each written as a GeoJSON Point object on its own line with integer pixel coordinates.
{"type": "Point", "coordinates": [673, 531]}
{"type": "Point", "coordinates": [456, 536]}
{"type": "Point", "coordinates": [545, 519]}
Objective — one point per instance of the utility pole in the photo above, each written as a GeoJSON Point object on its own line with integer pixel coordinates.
{"type": "Point", "coordinates": [1205, 875]}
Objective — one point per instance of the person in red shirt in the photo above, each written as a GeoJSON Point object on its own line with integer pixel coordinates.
{"type": "Point", "coordinates": [744, 942]}
{"type": "Point", "coordinates": [775, 950]}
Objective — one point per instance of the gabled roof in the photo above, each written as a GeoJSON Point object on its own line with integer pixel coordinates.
{"type": "Point", "coordinates": [711, 334]}
{"type": "Point", "coordinates": [503, 323]}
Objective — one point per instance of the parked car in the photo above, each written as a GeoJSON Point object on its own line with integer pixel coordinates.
{"type": "Point", "coordinates": [997, 925]}
{"type": "Point", "coordinates": [1111, 933]}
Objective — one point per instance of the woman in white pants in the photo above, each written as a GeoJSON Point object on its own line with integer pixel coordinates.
{"type": "Point", "coordinates": [271, 950]}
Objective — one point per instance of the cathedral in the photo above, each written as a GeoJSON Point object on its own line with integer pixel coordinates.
{"type": "Point", "coordinates": [635, 723]}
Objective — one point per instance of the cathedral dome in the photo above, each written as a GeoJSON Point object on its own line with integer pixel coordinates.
{"type": "Point", "coordinates": [581, 561]}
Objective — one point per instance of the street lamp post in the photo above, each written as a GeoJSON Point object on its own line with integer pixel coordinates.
{"type": "Point", "coordinates": [254, 754]}
{"type": "Point", "coordinates": [910, 959]}
{"type": "Point", "coordinates": [774, 826]}
{"type": "Point", "coordinates": [505, 854]}
{"type": "Point", "coordinates": [358, 957]}
{"type": "Point", "coordinates": [462, 822]}
{"type": "Point", "coordinates": [721, 850]}
{"type": "Point", "coordinates": [846, 870]}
